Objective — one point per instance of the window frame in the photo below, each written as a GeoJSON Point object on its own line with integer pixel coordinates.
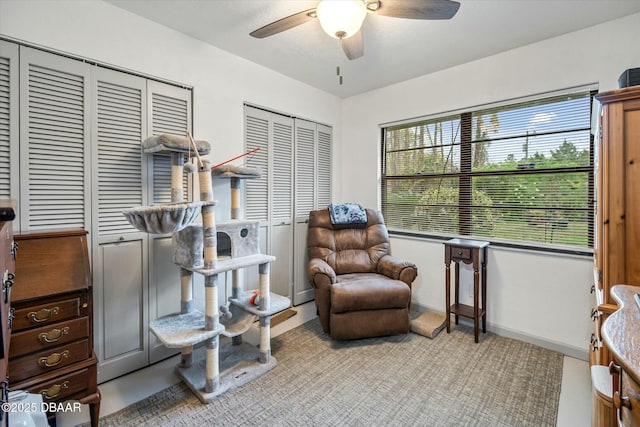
{"type": "Point", "coordinates": [466, 174]}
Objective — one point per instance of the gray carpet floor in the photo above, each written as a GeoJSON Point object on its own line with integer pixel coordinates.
{"type": "Point", "coordinates": [405, 380]}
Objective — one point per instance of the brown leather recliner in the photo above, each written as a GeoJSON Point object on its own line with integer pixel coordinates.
{"type": "Point", "coordinates": [361, 291]}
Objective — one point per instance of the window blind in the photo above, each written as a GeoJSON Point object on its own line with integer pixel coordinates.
{"type": "Point", "coordinates": [521, 172]}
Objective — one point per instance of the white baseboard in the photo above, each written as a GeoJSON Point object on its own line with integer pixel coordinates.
{"type": "Point", "coordinates": [567, 350]}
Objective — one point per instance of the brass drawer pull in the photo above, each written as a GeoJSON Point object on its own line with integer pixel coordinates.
{"type": "Point", "coordinates": [53, 335]}
{"type": "Point", "coordinates": [43, 315]}
{"type": "Point", "coordinates": [53, 359]}
{"type": "Point", "coordinates": [53, 391]}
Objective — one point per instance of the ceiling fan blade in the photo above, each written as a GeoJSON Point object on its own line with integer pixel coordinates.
{"type": "Point", "coordinates": [284, 24]}
{"type": "Point", "coordinates": [415, 9]}
{"type": "Point", "coordinates": [353, 47]}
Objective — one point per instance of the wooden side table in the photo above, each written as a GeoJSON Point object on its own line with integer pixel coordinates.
{"type": "Point", "coordinates": [470, 252]}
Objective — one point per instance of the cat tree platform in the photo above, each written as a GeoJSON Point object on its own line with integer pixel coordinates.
{"type": "Point", "coordinates": [278, 304]}
{"type": "Point", "coordinates": [182, 329]}
{"type": "Point", "coordinates": [238, 366]}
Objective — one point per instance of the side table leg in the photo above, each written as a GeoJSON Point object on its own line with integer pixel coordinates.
{"type": "Point", "coordinates": [447, 305]}
{"type": "Point", "coordinates": [484, 296]}
{"type": "Point", "coordinates": [456, 289]}
{"type": "Point", "coordinates": [476, 302]}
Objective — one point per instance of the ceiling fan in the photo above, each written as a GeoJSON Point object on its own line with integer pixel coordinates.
{"type": "Point", "coordinates": [342, 19]}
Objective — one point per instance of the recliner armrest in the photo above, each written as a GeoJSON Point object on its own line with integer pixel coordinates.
{"type": "Point", "coordinates": [316, 267]}
{"type": "Point", "coordinates": [397, 269]}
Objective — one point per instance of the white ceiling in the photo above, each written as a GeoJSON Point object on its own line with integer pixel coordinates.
{"type": "Point", "coordinates": [395, 49]}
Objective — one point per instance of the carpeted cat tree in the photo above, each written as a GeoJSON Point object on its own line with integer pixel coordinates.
{"type": "Point", "coordinates": [211, 249]}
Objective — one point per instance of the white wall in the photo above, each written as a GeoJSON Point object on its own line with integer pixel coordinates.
{"type": "Point", "coordinates": [530, 295]}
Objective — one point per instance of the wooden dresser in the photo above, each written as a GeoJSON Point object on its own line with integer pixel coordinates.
{"type": "Point", "coordinates": [51, 349]}
{"type": "Point", "coordinates": [621, 334]}
{"type": "Point", "coordinates": [7, 273]}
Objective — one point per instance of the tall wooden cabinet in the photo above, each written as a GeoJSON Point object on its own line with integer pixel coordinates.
{"type": "Point", "coordinates": [617, 229]}
{"type": "Point", "coordinates": [51, 350]}
{"type": "Point", "coordinates": [617, 243]}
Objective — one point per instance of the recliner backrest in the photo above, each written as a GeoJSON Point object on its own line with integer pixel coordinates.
{"type": "Point", "coordinates": [347, 249]}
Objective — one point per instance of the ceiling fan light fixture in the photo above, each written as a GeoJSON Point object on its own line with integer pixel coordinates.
{"type": "Point", "coordinates": [341, 18]}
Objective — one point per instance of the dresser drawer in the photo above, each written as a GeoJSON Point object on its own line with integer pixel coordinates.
{"type": "Point", "coordinates": [49, 336]}
{"type": "Point", "coordinates": [59, 389]}
{"type": "Point", "coordinates": [44, 314]}
{"type": "Point", "coordinates": [47, 361]}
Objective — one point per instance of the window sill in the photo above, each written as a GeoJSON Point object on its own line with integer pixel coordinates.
{"type": "Point", "coordinates": [521, 247]}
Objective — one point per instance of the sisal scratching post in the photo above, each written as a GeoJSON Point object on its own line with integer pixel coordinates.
{"type": "Point", "coordinates": [186, 292]}
{"type": "Point", "coordinates": [265, 305]}
{"type": "Point", "coordinates": [211, 319]}
{"type": "Point", "coordinates": [177, 169]}
{"type": "Point", "coordinates": [212, 374]}
{"type": "Point", "coordinates": [208, 216]}
{"type": "Point", "coordinates": [235, 274]}
{"type": "Point", "coordinates": [235, 198]}
{"type": "Point", "coordinates": [428, 324]}
{"type": "Point", "coordinates": [235, 214]}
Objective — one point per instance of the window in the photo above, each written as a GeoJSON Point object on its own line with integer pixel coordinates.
{"type": "Point", "coordinates": [519, 174]}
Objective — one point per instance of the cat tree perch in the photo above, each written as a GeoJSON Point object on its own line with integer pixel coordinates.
{"type": "Point", "coordinates": [211, 249]}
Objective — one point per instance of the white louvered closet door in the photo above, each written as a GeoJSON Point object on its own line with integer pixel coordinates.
{"type": "Point", "coordinates": [54, 142]}
{"type": "Point", "coordinates": [170, 111]}
{"type": "Point", "coordinates": [269, 198]}
{"type": "Point", "coordinates": [9, 78]}
{"type": "Point", "coordinates": [257, 125]}
{"type": "Point", "coordinates": [305, 202]}
{"type": "Point", "coordinates": [305, 169]}
{"type": "Point", "coordinates": [281, 231]}
{"type": "Point", "coordinates": [312, 191]}
{"type": "Point", "coordinates": [119, 250]}
{"type": "Point", "coordinates": [323, 166]}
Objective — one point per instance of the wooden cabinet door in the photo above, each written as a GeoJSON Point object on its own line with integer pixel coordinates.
{"type": "Point", "coordinates": [632, 190]}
